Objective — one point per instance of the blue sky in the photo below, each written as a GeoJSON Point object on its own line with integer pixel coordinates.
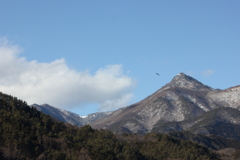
{"type": "Point", "coordinates": [89, 56]}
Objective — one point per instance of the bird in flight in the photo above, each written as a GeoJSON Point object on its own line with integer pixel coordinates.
{"type": "Point", "coordinates": [157, 74]}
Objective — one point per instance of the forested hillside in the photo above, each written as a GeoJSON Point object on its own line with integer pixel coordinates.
{"type": "Point", "coordinates": [214, 142]}
{"type": "Point", "coordinates": [26, 133]}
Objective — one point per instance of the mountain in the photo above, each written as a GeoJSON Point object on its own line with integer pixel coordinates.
{"type": "Point", "coordinates": [67, 116]}
{"type": "Point", "coordinates": [95, 116]}
{"type": "Point", "coordinates": [26, 133]}
{"type": "Point", "coordinates": [182, 104]}
{"type": "Point", "coordinates": [183, 81]}
{"type": "Point", "coordinates": [229, 97]}
{"type": "Point", "coordinates": [60, 114]}
{"type": "Point", "coordinates": [183, 101]}
{"type": "Point", "coordinates": [223, 121]}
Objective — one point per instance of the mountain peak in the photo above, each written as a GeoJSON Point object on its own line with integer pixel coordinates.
{"type": "Point", "coordinates": [181, 75]}
{"type": "Point", "coordinates": [182, 80]}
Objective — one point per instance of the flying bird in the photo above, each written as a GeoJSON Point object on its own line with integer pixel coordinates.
{"type": "Point", "coordinates": [157, 74]}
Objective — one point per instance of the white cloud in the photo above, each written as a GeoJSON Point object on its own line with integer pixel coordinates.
{"type": "Point", "coordinates": [207, 73]}
{"type": "Point", "coordinates": [116, 103]}
{"type": "Point", "coordinates": [57, 84]}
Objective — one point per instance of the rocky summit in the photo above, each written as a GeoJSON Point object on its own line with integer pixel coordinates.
{"type": "Point", "coordinates": [179, 105]}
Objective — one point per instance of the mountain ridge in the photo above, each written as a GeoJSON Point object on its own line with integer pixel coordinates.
{"type": "Point", "coordinates": [67, 116]}
{"type": "Point", "coordinates": [182, 104]}
{"type": "Point", "coordinates": [182, 98]}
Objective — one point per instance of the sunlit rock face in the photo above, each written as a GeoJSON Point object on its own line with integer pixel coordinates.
{"type": "Point", "coordinates": [229, 97]}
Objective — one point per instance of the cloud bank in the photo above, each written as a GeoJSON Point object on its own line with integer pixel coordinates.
{"type": "Point", "coordinates": [58, 85]}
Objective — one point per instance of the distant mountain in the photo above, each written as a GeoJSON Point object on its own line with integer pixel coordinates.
{"type": "Point", "coordinates": [69, 117]}
{"type": "Point", "coordinates": [181, 103]}
{"type": "Point", "coordinates": [95, 116]}
{"type": "Point", "coordinates": [60, 114]}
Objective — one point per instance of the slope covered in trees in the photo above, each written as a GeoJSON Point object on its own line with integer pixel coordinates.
{"type": "Point", "coordinates": [214, 142]}
{"type": "Point", "coordinates": [26, 133]}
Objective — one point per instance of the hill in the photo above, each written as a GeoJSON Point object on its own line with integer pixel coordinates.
{"type": "Point", "coordinates": [26, 133]}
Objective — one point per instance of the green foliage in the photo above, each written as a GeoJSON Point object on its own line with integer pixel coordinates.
{"type": "Point", "coordinates": [26, 133]}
